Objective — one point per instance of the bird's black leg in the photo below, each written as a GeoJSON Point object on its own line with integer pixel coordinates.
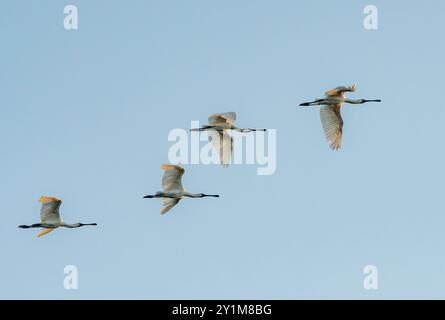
{"type": "Point", "coordinates": [36, 225]}
{"type": "Point", "coordinates": [204, 128]}
{"type": "Point", "coordinates": [313, 103]}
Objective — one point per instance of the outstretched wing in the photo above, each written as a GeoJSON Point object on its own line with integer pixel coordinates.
{"type": "Point", "coordinates": [332, 124]}
{"type": "Point", "coordinates": [171, 179]}
{"type": "Point", "coordinates": [168, 204]}
{"type": "Point", "coordinates": [221, 119]}
{"type": "Point", "coordinates": [49, 213]}
{"type": "Point", "coordinates": [223, 143]}
{"type": "Point", "coordinates": [339, 91]}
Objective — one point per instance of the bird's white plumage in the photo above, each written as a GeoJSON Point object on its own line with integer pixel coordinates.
{"type": "Point", "coordinates": [50, 217]}
{"type": "Point", "coordinates": [332, 124]}
{"type": "Point", "coordinates": [49, 213]}
{"type": "Point", "coordinates": [169, 203]}
{"type": "Point", "coordinates": [223, 143]}
{"type": "Point", "coordinates": [171, 183]}
{"type": "Point", "coordinates": [172, 178]}
{"type": "Point", "coordinates": [222, 119]}
{"type": "Point", "coordinates": [330, 115]}
{"type": "Point", "coordinates": [340, 91]}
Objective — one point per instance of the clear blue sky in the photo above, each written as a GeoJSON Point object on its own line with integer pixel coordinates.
{"type": "Point", "coordinates": [85, 116]}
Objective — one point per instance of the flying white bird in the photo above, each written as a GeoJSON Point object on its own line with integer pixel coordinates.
{"type": "Point", "coordinates": [50, 217]}
{"type": "Point", "coordinates": [172, 188]}
{"type": "Point", "coordinates": [330, 115]}
{"type": "Point", "coordinates": [219, 125]}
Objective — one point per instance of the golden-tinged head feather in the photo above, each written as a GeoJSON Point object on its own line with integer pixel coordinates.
{"type": "Point", "coordinates": [172, 167]}
{"type": "Point", "coordinates": [46, 199]}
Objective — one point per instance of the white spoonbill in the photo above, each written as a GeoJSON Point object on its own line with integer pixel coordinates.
{"type": "Point", "coordinates": [172, 188]}
{"type": "Point", "coordinates": [330, 115]}
{"type": "Point", "coordinates": [50, 217]}
{"type": "Point", "coordinates": [219, 125]}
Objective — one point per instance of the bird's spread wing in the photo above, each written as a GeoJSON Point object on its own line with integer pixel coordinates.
{"type": "Point", "coordinates": [171, 179]}
{"type": "Point", "coordinates": [226, 150]}
{"type": "Point", "coordinates": [168, 204]}
{"type": "Point", "coordinates": [222, 119]}
{"type": "Point", "coordinates": [49, 213]}
{"type": "Point", "coordinates": [340, 90]}
{"type": "Point", "coordinates": [223, 143]}
{"type": "Point", "coordinates": [332, 125]}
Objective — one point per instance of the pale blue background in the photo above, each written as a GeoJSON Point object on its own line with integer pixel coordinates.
{"type": "Point", "coordinates": [85, 116]}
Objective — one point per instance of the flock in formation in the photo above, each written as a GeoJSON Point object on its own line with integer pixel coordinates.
{"type": "Point", "coordinates": [218, 130]}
